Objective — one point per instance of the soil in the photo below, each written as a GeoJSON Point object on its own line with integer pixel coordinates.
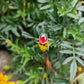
{"type": "Point", "coordinates": [5, 59]}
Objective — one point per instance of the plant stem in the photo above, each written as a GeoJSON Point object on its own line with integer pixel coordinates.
{"type": "Point", "coordinates": [75, 5]}
{"type": "Point", "coordinates": [73, 53]}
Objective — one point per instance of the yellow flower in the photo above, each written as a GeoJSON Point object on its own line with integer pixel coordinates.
{"type": "Point", "coordinates": [44, 46]}
{"type": "Point", "coordinates": [11, 82]}
{"type": "Point", "coordinates": [79, 69]}
{"type": "Point", "coordinates": [4, 79]}
{"type": "Point", "coordinates": [44, 76]}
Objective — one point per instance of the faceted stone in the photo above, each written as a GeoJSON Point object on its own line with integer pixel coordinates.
{"type": "Point", "coordinates": [43, 38]}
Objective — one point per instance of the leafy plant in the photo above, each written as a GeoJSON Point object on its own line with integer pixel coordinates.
{"type": "Point", "coordinates": [21, 23]}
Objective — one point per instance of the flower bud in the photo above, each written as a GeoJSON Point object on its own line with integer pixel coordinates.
{"type": "Point", "coordinates": [7, 41]}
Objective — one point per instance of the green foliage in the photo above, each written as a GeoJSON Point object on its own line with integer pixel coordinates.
{"type": "Point", "coordinates": [33, 76]}
{"type": "Point", "coordinates": [22, 21]}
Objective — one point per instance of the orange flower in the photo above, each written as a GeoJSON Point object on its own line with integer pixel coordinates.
{"type": "Point", "coordinates": [4, 79]}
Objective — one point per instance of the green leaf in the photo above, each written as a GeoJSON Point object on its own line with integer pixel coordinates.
{"type": "Point", "coordinates": [43, 81]}
{"type": "Point", "coordinates": [80, 53]}
{"type": "Point", "coordinates": [51, 17]}
{"type": "Point", "coordinates": [81, 20]}
{"type": "Point", "coordinates": [52, 82]}
{"type": "Point", "coordinates": [54, 27]}
{"type": "Point", "coordinates": [6, 29]}
{"type": "Point", "coordinates": [67, 60]}
{"type": "Point", "coordinates": [80, 49]}
{"type": "Point", "coordinates": [81, 8]}
{"type": "Point", "coordinates": [61, 80]}
{"type": "Point", "coordinates": [80, 61]}
{"type": "Point", "coordinates": [31, 42]}
{"type": "Point", "coordinates": [27, 35]}
{"type": "Point", "coordinates": [42, 1]}
{"type": "Point", "coordinates": [29, 25]}
{"type": "Point", "coordinates": [47, 81]}
{"type": "Point", "coordinates": [66, 51]}
{"type": "Point", "coordinates": [2, 26]}
{"type": "Point", "coordinates": [66, 44]}
{"type": "Point", "coordinates": [74, 2]}
{"type": "Point", "coordinates": [72, 15]}
{"type": "Point", "coordinates": [28, 74]}
{"type": "Point", "coordinates": [78, 43]}
{"type": "Point", "coordinates": [40, 27]}
{"type": "Point", "coordinates": [31, 82]}
{"type": "Point", "coordinates": [45, 7]}
{"type": "Point", "coordinates": [73, 69]}
{"type": "Point", "coordinates": [14, 30]}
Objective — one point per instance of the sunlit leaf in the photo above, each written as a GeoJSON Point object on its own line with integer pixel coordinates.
{"type": "Point", "coordinates": [45, 7]}
{"type": "Point", "coordinates": [27, 35]}
{"type": "Point", "coordinates": [67, 60]}
{"type": "Point", "coordinates": [73, 69]}
{"type": "Point", "coordinates": [80, 61]}
{"type": "Point", "coordinates": [66, 51]}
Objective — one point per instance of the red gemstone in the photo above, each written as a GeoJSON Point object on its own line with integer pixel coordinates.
{"type": "Point", "coordinates": [43, 38]}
